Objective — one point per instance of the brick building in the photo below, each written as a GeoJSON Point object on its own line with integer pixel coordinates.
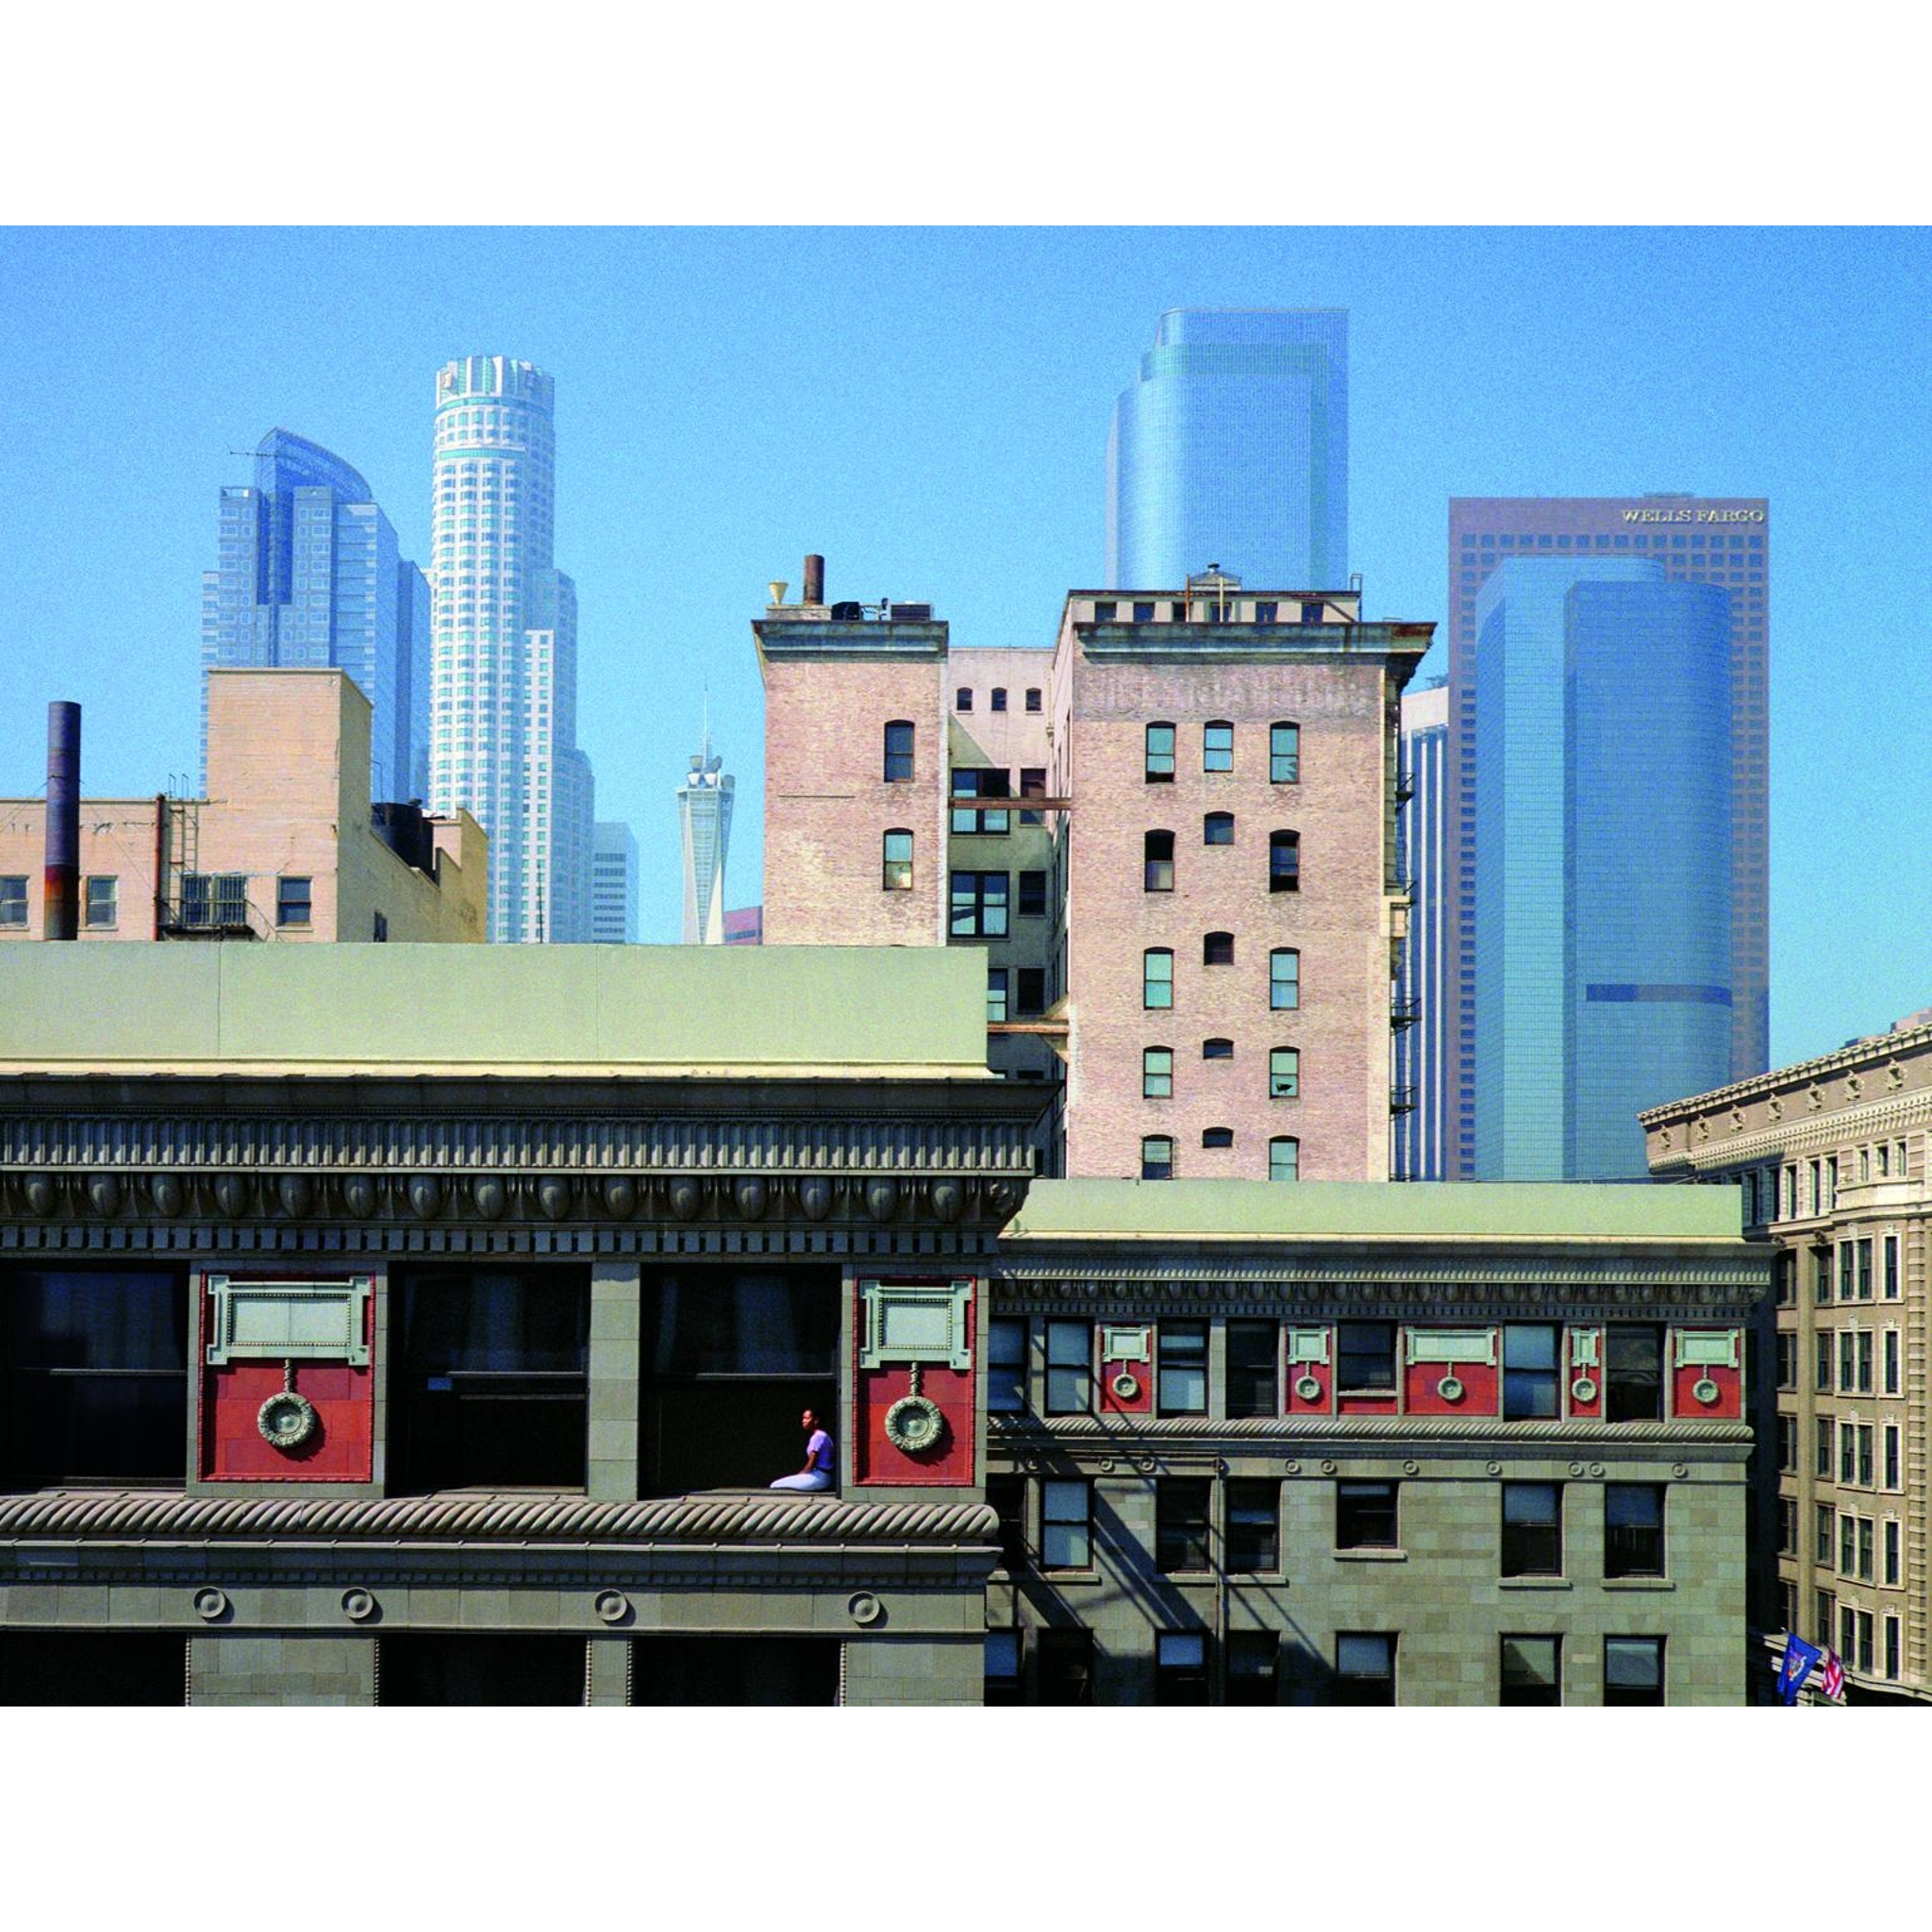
{"type": "Point", "coordinates": [286, 845]}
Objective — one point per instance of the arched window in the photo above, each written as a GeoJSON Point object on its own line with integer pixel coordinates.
{"type": "Point", "coordinates": [962, 698]}
{"type": "Point", "coordinates": [1033, 697]}
{"type": "Point", "coordinates": [999, 697]}
{"type": "Point", "coordinates": [1284, 754]}
{"type": "Point", "coordinates": [1157, 1157]}
{"type": "Point", "coordinates": [1217, 1049]}
{"type": "Point", "coordinates": [1217, 828]}
{"type": "Point", "coordinates": [1157, 978]}
{"type": "Point", "coordinates": [1284, 1159]}
{"type": "Point", "coordinates": [1284, 862]}
{"type": "Point", "coordinates": [1217, 746]}
{"type": "Point", "coordinates": [1160, 754]}
{"type": "Point", "coordinates": [1157, 1073]}
{"type": "Point", "coordinates": [897, 861]}
{"type": "Point", "coordinates": [1284, 980]}
{"type": "Point", "coordinates": [1217, 1137]}
{"type": "Point", "coordinates": [1284, 1073]}
{"type": "Point", "coordinates": [899, 750]}
{"type": "Point", "coordinates": [1157, 855]}
{"type": "Point", "coordinates": [1216, 949]}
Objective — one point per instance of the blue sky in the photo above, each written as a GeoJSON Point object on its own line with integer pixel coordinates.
{"type": "Point", "coordinates": [929, 409]}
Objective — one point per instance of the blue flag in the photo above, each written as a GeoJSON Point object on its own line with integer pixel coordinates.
{"type": "Point", "coordinates": [1800, 1659]}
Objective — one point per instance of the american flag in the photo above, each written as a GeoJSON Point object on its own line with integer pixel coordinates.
{"type": "Point", "coordinates": [1833, 1681]}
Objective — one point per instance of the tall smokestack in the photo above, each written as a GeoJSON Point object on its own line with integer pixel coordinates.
{"type": "Point", "coordinates": [60, 899]}
{"type": "Point", "coordinates": [814, 579]}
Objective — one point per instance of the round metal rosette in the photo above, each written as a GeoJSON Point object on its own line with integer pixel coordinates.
{"type": "Point", "coordinates": [612, 1606]}
{"type": "Point", "coordinates": [1002, 1198]}
{"type": "Point", "coordinates": [1307, 1388]}
{"type": "Point", "coordinates": [210, 1605]}
{"type": "Point", "coordinates": [425, 1196]}
{"type": "Point", "coordinates": [751, 1196]}
{"type": "Point", "coordinates": [687, 1198]}
{"type": "Point", "coordinates": [815, 1197]}
{"type": "Point", "coordinates": [358, 1198]}
{"type": "Point", "coordinates": [104, 1194]}
{"type": "Point", "coordinates": [553, 1197]}
{"type": "Point", "coordinates": [168, 1194]}
{"type": "Point", "coordinates": [231, 1194]}
{"type": "Point", "coordinates": [492, 1198]}
{"type": "Point", "coordinates": [296, 1192]}
{"type": "Point", "coordinates": [1583, 1389]}
{"type": "Point", "coordinates": [358, 1605]}
{"type": "Point", "coordinates": [881, 1199]}
{"type": "Point", "coordinates": [287, 1419]}
{"type": "Point", "coordinates": [864, 1607]}
{"type": "Point", "coordinates": [914, 1425]}
{"type": "Point", "coordinates": [1126, 1387]}
{"type": "Point", "coordinates": [948, 1200]}
{"type": "Point", "coordinates": [620, 1197]}
{"type": "Point", "coordinates": [1705, 1389]}
{"type": "Point", "coordinates": [41, 1193]}
{"type": "Point", "coordinates": [1449, 1389]}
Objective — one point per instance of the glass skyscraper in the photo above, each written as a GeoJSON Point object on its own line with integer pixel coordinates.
{"type": "Point", "coordinates": [1232, 448]}
{"type": "Point", "coordinates": [310, 576]}
{"type": "Point", "coordinates": [1602, 928]}
{"type": "Point", "coordinates": [1421, 1068]}
{"type": "Point", "coordinates": [614, 885]}
{"type": "Point", "coordinates": [704, 819]}
{"type": "Point", "coordinates": [504, 724]}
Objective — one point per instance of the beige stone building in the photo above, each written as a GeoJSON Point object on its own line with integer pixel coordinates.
{"type": "Point", "coordinates": [286, 845]}
{"type": "Point", "coordinates": [1831, 1157]}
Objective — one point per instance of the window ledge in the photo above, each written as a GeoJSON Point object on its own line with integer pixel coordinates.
{"type": "Point", "coordinates": [1372, 1555]}
{"type": "Point", "coordinates": [1639, 1583]}
{"type": "Point", "coordinates": [1533, 1583]}
{"type": "Point", "coordinates": [1058, 1577]}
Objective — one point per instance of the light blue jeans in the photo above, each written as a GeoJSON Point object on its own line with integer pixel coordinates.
{"type": "Point", "coordinates": [817, 1480]}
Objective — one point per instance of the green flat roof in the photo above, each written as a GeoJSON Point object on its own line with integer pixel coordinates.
{"type": "Point", "coordinates": [826, 1012]}
{"type": "Point", "coordinates": [1371, 1211]}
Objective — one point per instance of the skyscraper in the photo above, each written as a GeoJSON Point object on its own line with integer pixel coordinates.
{"type": "Point", "coordinates": [1420, 1066]}
{"type": "Point", "coordinates": [1723, 540]}
{"type": "Point", "coordinates": [614, 885]}
{"type": "Point", "coordinates": [1602, 896]}
{"type": "Point", "coordinates": [704, 821]}
{"type": "Point", "coordinates": [504, 736]}
{"type": "Point", "coordinates": [1231, 449]}
{"type": "Point", "coordinates": [310, 578]}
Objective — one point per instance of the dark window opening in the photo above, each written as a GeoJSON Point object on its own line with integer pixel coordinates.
{"type": "Point", "coordinates": [1217, 828]}
{"type": "Point", "coordinates": [1181, 1507]}
{"type": "Point", "coordinates": [734, 1669]}
{"type": "Point", "coordinates": [1365, 1356]}
{"type": "Point", "coordinates": [999, 697]}
{"type": "Point", "coordinates": [899, 752]}
{"type": "Point", "coordinates": [1284, 862]}
{"type": "Point", "coordinates": [1532, 1529]}
{"type": "Point", "coordinates": [1529, 1371]}
{"type": "Point", "coordinates": [1181, 1384]}
{"type": "Point", "coordinates": [1254, 1349]}
{"type": "Point", "coordinates": [1364, 1668]}
{"type": "Point", "coordinates": [1634, 1529]}
{"type": "Point", "coordinates": [1033, 697]}
{"type": "Point", "coordinates": [1006, 1497]}
{"type": "Point", "coordinates": [1005, 1365]}
{"type": "Point", "coordinates": [1253, 1526]}
{"type": "Point", "coordinates": [1157, 862]}
{"type": "Point", "coordinates": [1216, 949]}
{"type": "Point", "coordinates": [1217, 1049]}
{"type": "Point", "coordinates": [1251, 1667]}
{"type": "Point", "coordinates": [1365, 1516]}
{"type": "Point", "coordinates": [1064, 1667]}
{"type": "Point", "coordinates": [1531, 1671]}
{"type": "Point", "coordinates": [1180, 1667]}
{"type": "Point", "coordinates": [425, 1670]}
{"type": "Point", "coordinates": [1634, 1378]}
{"type": "Point", "coordinates": [1029, 996]}
{"type": "Point", "coordinates": [120, 1668]}
{"type": "Point", "coordinates": [1217, 1138]}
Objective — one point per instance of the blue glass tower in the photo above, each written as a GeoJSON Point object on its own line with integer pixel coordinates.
{"type": "Point", "coordinates": [1603, 900]}
{"type": "Point", "coordinates": [310, 576]}
{"type": "Point", "coordinates": [1232, 448]}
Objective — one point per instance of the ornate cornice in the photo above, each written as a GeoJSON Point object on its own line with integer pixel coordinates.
{"type": "Point", "coordinates": [1878, 1050]}
{"type": "Point", "coordinates": [1472, 1433]}
{"type": "Point", "coordinates": [710, 1521]}
{"type": "Point", "coordinates": [1684, 1146]}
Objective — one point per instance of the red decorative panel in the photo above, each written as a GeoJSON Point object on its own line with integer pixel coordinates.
{"type": "Point", "coordinates": [1583, 1368]}
{"type": "Point", "coordinates": [1367, 1405]}
{"type": "Point", "coordinates": [1301, 1398]}
{"type": "Point", "coordinates": [876, 1460]}
{"type": "Point", "coordinates": [1713, 1390]}
{"type": "Point", "coordinates": [1478, 1386]}
{"type": "Point", "coordinates": [1127, 1383]}
{"type": "Point", "coordinates": [233, 1449]}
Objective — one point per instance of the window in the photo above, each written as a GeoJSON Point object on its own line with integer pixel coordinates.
{"type": "Point", "coordinates": [1284, 862]}
{"type": "Point", "coordinates": [1253, 1526]}
{"type": "Point", "coordinates": [999, 697]}
{"type": "Point", "coordinates": [1250, 1667]}
{"type": "Point", "coordinates": [1032, 785]}
{"type": "Point", "coordinates": [1066, 1533]}
{"type": "Point", "coordinates": [1217, 828]}
{"type": "Point", "coordinates": [1364, 1668]}
{"type": "Point", "coordinates": [1633, 1529]}
{"type": "Point", "coordinates": [1105, 611]}
{"type": "Point", "coordinates": [1156, 858]}
{"type": "Point", "coordinates": [1181, 1378]}
{"type": "Point", "coordinates": [1891, 1262]}
{"type": "Point", "coordinates": [1313, 613]}
{"type": "Point", "coordinates": [1284, 980]}
{"type": "Point", "coordinates": [1157, 1157]}
{"type": "Point", "coordinates": [1284, 1159]}
{"type": "Point", "coordinates": [1821, 1361]}
{"type": "Point", "coordinates": [1157, 978]}
{"type": "Point", "coordinates": [1365, 1358]}
{"type": "Point", "coordinates": [980, 781]}
{"type": "Point", "coordinates": [1216, 949]}
{"type": "Point", "coordinates": [1529, 1371]}
{"type": "Point", "coordinates": [1532, 1529]}
{"type": "Point", "coordinates": [1365, 1516]}
{"type": "Point", "coordinates": [1217, 746]}
{"type": "Point", "coordinates": [1032, 895]}
{"type": "Point", "coordinates": [292, 906]}
{"type": "Point", "coordinates": [962, 698]}
{"type": "Point", "coordinates": [1893, 1460]}
{"type": "Point", "coordinates": [1787, 1442]}
{"type": "Point", "coordinates": [899, 752]}
{"type": "Point", "coordinates": [1180, 1522]}
{"type": "Point", "coordinates": [102, 901]}
{"type": "Point", "coordinates": [1159, 755]}
{"type": "Point", "coordinates": [1892, 1646]}
{"type": "Point", "coordinates": [979, 905]}
{"type": "Point", "coordinates": [1030, 991]}
{"type": "Point", "coordinates": [1144, 613]}
{"type": "Point", "coordinates": [1006, 1495]}
{"type": "Point", "coordinates": [1891, 1551]}
{"type": "Point", "coordinates": [1033, 697]}
{"type": "Point", "coordinates": [996, 995]}
{"type": "Point", "coordinates": [1180, 1667]}
{"type": "Point", "coordinates": [1217, 1137]}
{"type": "Point", "coordinates": [1787, 1359]}
{"type": "Point", "coordinates": [1863, 1250]}
{"type": "Point", "coordinates": [1530, 1669]}
{"type": "Point", "coordinates": [1005, 1365]}
{"type": "Point", "coordinates": [1787, 1526]}
{"type": "Point", "coordinates": [1265, 611]}
{"type": "Point", "coordinates": [1254, 1348]}
{"type": "Point", "coordinates": [1820, 1272]}
{"type": "Point", "coordinates": [1157, 1073]}
{"type": "Point", "coordinates": [1822, 1459]}
{"type": "Point", "coordinates": [1823, 1528]}
{"type": "Point", "coordinates": [1064, 1671]}
{"type": "Point", "coordinates": [1069, 1368]}
{"type": "Point", "coordinates": [1284, 754]}
{"type": "Point", "coordinates": [1786, 1278]}
{"type": "Point", "coordinates": [1002, 1663]}
{"type": "Point", "coordinates": [1633, 1669]}
{"type": "Point", "coordinates": [379, 929]}
{"type": "Point", "coordinates": [1217, 1049]}
{"type": "Point", "coordinates": [1633, 1383]}
{"type": "Point", "coordinates": [1284, 1073]}
{"type": "Point", "coordinates": [12, 898]}
{"type": "Point", "coordinates": [896, 875]}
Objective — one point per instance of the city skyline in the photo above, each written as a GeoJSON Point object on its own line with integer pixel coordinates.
{"type": "Point", "coordinates": [1628, 394]}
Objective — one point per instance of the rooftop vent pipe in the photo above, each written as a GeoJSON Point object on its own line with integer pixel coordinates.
{"type": "Point", "coordinates": [60, 898]}
{"type": "Point", "coordinates": [814, 579]}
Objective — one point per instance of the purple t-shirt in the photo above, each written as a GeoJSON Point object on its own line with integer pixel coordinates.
{"type": "Point", "coordinates": [820, 1451]}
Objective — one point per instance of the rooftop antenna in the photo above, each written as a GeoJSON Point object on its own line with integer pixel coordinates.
{"type": "Point", "coordinates": [707, 723]}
